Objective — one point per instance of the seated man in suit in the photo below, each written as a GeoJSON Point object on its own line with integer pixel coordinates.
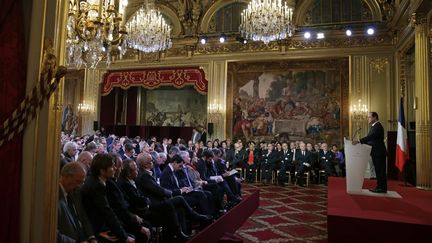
{"type": "Point", "coordinates": [148, 186]}
{"type": "Point", "coordinates": [302, 162]}
{"type": "Point", "coordinates": [159, 214]}
{"type": "Point", "coordinates": [286, 163]}
{"type": "Point", "coordinates": [326, 161]}
{"type": "Point", "coordinates": [232, 180]}
{"type": "Point", "coordinates": [73, 225]}
{"type": "Point", "coordinates": [95, 200]}
{"type": "Point", "coordinates": [132, 222]}
{"type": "Point", "coordinates": [129, 151]}
{"type": "Point", "coordinates": [170, 181]}
{"type": "Point", "coordinates": [208, 173]}
{"type": "Point", "coordinates": [268, 163]}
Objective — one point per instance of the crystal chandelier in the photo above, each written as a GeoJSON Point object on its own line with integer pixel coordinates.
{"type": "Point", "coordinates": [147, 30]}
{"type": "Point", "coordinates": [94, 27]}
{"type": "Point", "coordinates": [267, 20]}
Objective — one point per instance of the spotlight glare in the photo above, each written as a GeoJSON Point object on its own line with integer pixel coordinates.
{"type": "Point", "coordinates": [203, 41]}
{"type": "Point", "coordinates": [307, 35]}
{"type": "Point", "coordinates": [348, 32]}
{"type": "Point", "coordinates": [370, 31]}
{"type": "Point", "coordinates": [222, 38]}
{"type": "Point", "coordinates": [320, 35]}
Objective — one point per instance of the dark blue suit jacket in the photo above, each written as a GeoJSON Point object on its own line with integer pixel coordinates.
{"type": "Point", "coordinates": [375, 138]}
{"type": "Point", "coordinates": [168, 181]}
{"type": "Point", "coordinates": [148, 186]}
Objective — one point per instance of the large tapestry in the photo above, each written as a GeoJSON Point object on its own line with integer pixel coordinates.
{"type": "Point", "coordinates": [175, 107]}
{"type": "Point", "coordinates": [289, 100]}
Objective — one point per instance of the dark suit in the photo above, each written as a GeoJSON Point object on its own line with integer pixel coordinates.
{"type": "Point", "coordinates": [100, 213]}
{"type": "Point", "coordinates": [203, 137]}
{"type": "Point", "coordinates": [301, 161]}
{"type": "Point", "coordinates": [159, 196]}
{"type": "Point", "coordinates": [120, 206]}
{"type": "Point", "coordinates": [231, 180]}
{"type": "Point", "coordinates": [206, 170]}
{"type": "Point", "coordinates": [285, 164]}
{"type": "Point", "coordinates": [375, 138]}
{"type": "Point", "coordinates": [238, 159]}
{"type": "Point", "coordinates": [268, 163]}
{"type": "Point", "coordinates": [186, 181]}
{"type": "Point", "coordinates": [326, 161]}
{"type": "Point", "coordinates": [148, 186]}
{"type": "Point", "coordinates": [73, 226]}
{"type": "Point", "coordinates": [170, 181]}
{"type": "Point", "coordinates": [159, 214]}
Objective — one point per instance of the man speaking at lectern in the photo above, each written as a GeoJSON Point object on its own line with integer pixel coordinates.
{"type": "Point", "coordinates": [375, 138]}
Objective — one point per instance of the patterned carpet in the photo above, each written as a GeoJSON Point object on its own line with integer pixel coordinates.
{"type": "Point", "coordinates": [287, 214]}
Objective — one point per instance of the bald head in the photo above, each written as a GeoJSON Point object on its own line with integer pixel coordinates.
{"type": "Point", "coordinates": [144, 161]}
{"type": "Point", "coordinates": [72, 176]}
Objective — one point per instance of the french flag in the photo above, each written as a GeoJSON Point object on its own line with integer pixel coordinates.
{"type": "Point", "coordinates": [402, 148]}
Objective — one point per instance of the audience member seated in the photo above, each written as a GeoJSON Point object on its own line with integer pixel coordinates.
{"type": "Point", "coordinates": [233, 181]}
{"type": "Point", "coordinates": [170, 181]}
{"type": "Point", "coordinates": [129, 151]}
{"type": "Point", "coordinates": [73, 224]}
{"type": "Point", "coordinates": [208, 172]}
{"type": "Point", "coordinates": [303, 163]}
{"type": "Point", "coordinates": [85, 159]}
{"type": "Point", "coordinates": [70, 151]}
{"type": "Point", "coordinates": [268, 163]}
{"type": "Point", "coordinates": [132, 223]}
{"type": "Point", "coordinates": [105, 222]}
{"type": "Point", "coordinates": [286, 157]}
{"type": "Point", "coordinates": [148, 186]}
{"type": "Point", "coordinates": [339, 160]}
{"type": "Point", "coordinates": [188, 181]}
{"type": "Point", "coordinates": [326, 159]}
{"type": "Point", "coordinates": [161, 214]}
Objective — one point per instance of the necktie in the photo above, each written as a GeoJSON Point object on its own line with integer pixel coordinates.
{"type": "Point", "coordinates": [187, 176]}
{"type": "Point", "coordinates": [75, 217]}
{"type": "Point", "coordinates": [303, 153]}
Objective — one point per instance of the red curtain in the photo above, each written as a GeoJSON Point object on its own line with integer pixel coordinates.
{"type": "Point", "coordinates": [12, 91]}
{"type": "Point", "coordinates": [152, 78]}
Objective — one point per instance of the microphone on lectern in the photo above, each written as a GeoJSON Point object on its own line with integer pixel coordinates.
{"type": "Point", "coordinates": [355, 133]}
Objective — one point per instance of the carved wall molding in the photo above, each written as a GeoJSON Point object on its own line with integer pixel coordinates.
{"type": "Point", "coordinates": [379, 63]}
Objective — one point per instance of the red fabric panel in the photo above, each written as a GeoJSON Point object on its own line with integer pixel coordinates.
{"type": "Point", "coordinates": [107, 110]}
{"type": "Point", "coordinates": [131, 106]}
{"type": "Point", "coordinates": [152, 78]}
{"type": "Point", "coordinates": [12, 91]}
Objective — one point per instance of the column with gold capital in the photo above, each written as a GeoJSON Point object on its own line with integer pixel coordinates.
{"type": "Point", "coordinates": [423, 97]}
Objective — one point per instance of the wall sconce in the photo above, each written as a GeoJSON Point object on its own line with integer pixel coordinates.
{"type": "Point", "coordinates": [359, 113]}
{"type": "Point", "coordinates": [214, 110]}
{"type": "Point", "coordinates": [84, 109]}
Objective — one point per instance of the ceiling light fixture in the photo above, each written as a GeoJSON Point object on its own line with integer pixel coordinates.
{"type": "Point", "coordinates": [267, 20]}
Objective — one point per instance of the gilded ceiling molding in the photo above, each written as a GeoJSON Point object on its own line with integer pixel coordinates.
{"type": "Point", "coordinates": [296, 44]}
{"type": "Point", "coordinates": [205, 20]}
{"type": "Point", "coordinates": [379, 63]}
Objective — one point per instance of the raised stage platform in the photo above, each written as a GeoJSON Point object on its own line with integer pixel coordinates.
{"type": "Point", "coordinates": [357, 218]}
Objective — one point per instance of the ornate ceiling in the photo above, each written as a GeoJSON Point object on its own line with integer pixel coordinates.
{"type": "Point", "coordinates": [192, 18]}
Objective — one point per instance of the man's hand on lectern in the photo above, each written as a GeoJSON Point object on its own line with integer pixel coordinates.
{"type": "Point", "coordinates": [354, 142]}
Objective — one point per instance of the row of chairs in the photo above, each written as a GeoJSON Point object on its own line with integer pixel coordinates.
{"type": "Point", "coordinates": [306, 176]}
